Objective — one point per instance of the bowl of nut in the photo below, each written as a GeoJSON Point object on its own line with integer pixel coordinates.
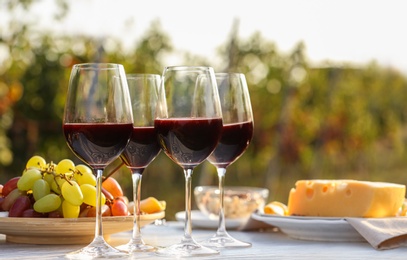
{"type": "Point", "coordinates": [239, 202]}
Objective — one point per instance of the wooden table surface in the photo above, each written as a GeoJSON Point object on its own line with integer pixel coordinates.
{"type": "Point", "coordinates": [265, 245]}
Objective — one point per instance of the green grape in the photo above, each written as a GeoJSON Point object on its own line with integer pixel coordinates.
{"type": "Point", "coordinates": [49, 178]}
{"type": "Point", "coordinates": [48, 203]}
{"type": "Point", "coordinates": [25, 170]}
{"type": "Point", "coordinates": [89, 195]}
{"type": "Point", "coordinates": [72, 193]}
{"type": "Point", "coordinates": [65, 166]}
{"type": "Point", "coordinates": [40, 189]}
{"type": "Point", "coordinates": [56, 185]}
{"type": "Point", "coordinates": [84, 175]}
{"type": "Point", "coordinates": [28, 178]}
{"type": "Point", "coordinates": [36, 161]}
{"type": "Point", "coordinates": [69, 210]}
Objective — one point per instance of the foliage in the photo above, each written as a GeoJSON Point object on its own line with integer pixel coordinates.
{"type": "Point", "coordinates": [331, 121]}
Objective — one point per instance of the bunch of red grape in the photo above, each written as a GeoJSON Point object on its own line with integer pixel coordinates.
{"type": "Point", "coordinates": [59, 190]}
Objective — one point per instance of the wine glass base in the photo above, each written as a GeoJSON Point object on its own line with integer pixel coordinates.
{"type": "Point", "coordinates": [97, 249]}
{"type": "Point", "coordinates": [132, 247]}
{"type": "Point", "coordinates": [186, 249]}
{"type": "Point", "coordinates": [224, 241]}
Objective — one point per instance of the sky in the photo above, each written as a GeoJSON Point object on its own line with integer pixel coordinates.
{"type": "Point", "coordinates": [357, 31]}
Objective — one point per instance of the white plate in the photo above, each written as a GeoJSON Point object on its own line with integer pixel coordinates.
{"type": "Point", "coordinates": [201, 220]}
{"type": "Point", "coordinates": [312, 228]}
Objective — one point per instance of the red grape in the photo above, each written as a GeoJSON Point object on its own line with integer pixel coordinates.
{"type": "Point", "coordinates": [55, 214]}
{"type": "Point", "coordinates": [10, 199]}
{"type": "Point", "coordinates": [10, 185]}
{"type": "Point", "coordinates": [31, 213]}
{"type": "Point", "coordinates": [19, 206]}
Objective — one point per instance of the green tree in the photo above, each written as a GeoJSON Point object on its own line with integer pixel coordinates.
{"type": "Point", "coordinates": [328, 121]}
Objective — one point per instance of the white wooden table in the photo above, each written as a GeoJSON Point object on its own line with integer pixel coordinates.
{"type": "Point", "coordinates": [265, 245]}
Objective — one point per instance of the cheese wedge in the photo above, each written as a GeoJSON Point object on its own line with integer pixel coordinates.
{"type": "Point", "coordinates": [345, 198]}
{"type": "Point", "coordinates": [276, 208]}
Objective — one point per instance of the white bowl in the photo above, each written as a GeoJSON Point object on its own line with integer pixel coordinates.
{"type": "Point", "coordinates": [240, 202]}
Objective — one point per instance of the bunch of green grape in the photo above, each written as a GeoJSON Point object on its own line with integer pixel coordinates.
{"type": "Point", "coordinates": [54, 188]}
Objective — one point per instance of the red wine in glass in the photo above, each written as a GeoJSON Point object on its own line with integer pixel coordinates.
{"type": "Point", "coordinates": [143, 147]}
{"type": "Point", "coordinates": [97, 144]}
{"type": "Point", "coordinates": [188, 122]}
{"type": "Point", "coordinates": [189, 141]}
{"type": "Point", "coordinates": [237, 133]}
{"type": "Point", "coordinates": [234, 141]}
{"type": "Point", "coordinates": [97, 125]}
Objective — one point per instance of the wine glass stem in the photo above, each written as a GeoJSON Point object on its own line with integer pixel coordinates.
{"type": "Point", "coordinates": [221, 177]}
{"type": "Point", "coordinates": [136, 176]}
{"type": "Point", "coordinates": [188, 224]}
{"type": "Point", "coordinates": [99, 226]}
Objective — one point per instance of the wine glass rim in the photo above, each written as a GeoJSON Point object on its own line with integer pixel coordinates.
{"type": "Point", "coordinates": [229, 73]}
{"type": "Point", "coordinates": [135, 75]}
{"type": "Point", "coordinates": [96, 65]}
{"type": "Point", "coordinates": [186, 67]}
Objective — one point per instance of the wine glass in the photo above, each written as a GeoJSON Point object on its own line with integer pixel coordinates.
{"type": "Point", "coordinates": [97, 125]}
{"type": "Point", "coordinates": [189, 124]}
{"type": "Point", "coordinates": [143, 147]}
{"type": "Point", "coordinates": [237, 133]}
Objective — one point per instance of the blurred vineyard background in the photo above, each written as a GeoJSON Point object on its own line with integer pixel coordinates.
{"type": "Point", "coordinates": [328, 121]}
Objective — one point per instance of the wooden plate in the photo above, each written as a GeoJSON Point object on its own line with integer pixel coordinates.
{"type": "Point", "coordinates": [66, 230]}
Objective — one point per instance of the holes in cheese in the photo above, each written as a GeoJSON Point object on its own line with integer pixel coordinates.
{"type": "Point", "coordinates": [345, 198]}
{"type": "Point", "coordinates": [309, 193]}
